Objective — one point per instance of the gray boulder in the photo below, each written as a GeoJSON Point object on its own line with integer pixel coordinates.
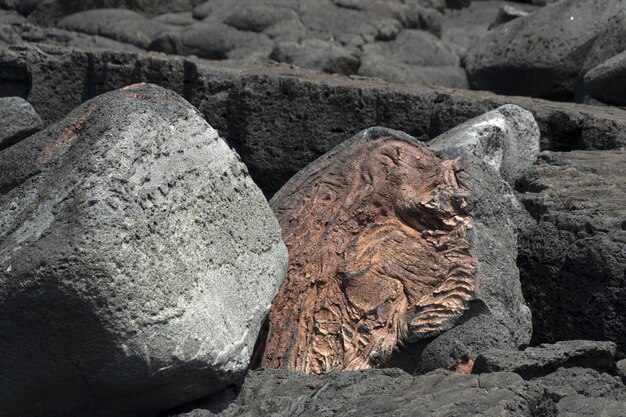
{"type": "Point", "coordinates": [378, 66]}
{"type": "Point", "coordinates": [119, 24]}
{"type": "Point", "coordinates": [18, 120]}
{"type": "Point", "coordinates": [506, 14]}
{"type": "Point", "coordinates": [582, 381]}
{"type": "Point", "coordinates": [621, 369]}
{"type": "Point", "coordinates": [136, 266]}
{"type": "Point", "coordinates": [547, 358]}
{"type": "Point", "coordinates": [572, 262]}
{"type": "Point", "coordinates": [49, 12]}
{"type": "Point", "coordinates": [210, 40]}
{"type": "Point", "coordinates": [317, 54]}
{"type": "Point", "coordinates": [609, 43]}
{"type": "Point", "coordinates": [607, 81]}
{"type": "Point", "coordinates": [176, 19]}
{"type": "Point", "coordinates": [540, 55]}
{"type": "Point", "coordinates": [579, 406]}
{"type": "Point", "coordinates": [506, 138]}
{"type": "Point", "coordinates": [390, 392]}
{"type": "Point", "coordinates": [415, 47]}
{"type": "Point", "coordinates": [27, 33]}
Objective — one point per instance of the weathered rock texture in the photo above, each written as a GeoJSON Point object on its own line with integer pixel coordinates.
{"type": "Point", "coordinates": [607, 81]}
{"type": "Point", "coordinates": [280, 119]}
{"type": "Point", "coordinates": [547, 358]}
{"type": "Point", "coordinates": [137, 261]}
{"type": "Point", "coordinates": [506, 138]}
{"type": "Point", "coordinates": [391, 392]}
{"type": "Point", "coordinates": [383, 248]}
{"type": "Point", "coordinates": [541, 54]}
{"type": "Point", "coordinates": [18, 120]}
{"type": "Point", "coordinates": [572, 262]}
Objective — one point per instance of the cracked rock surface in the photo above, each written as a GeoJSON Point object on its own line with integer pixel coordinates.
{"type": "Point", "coordinates": [137, 261]}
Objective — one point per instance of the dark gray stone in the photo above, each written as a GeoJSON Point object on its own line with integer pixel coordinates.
{"type": "Point", "coordinates": [18, 120]}
{"type": "Point", "coordinates": [49, 12]}
{"type": "Point", "coordinates": [22, 6]}
{"type": "Point", "coordinates": [118, 24]}
{"type": "Point", "coordinates": [579, 406]}
{"type": "Point", "coordinates": [210, 40]}
{"type": "Point", "coordinates": [546, 358]}
{"type": "Point", "coordinates": [415, 47]}
{"type": "Point", "coordinates": [582, 381]}
{"type": "Point", "coordinates": [317, 54]}
{"type": "Point", "coordinates": [389, 392]}
{"type": "Point", "coordinates": [609, 43]}
{"type": "Point", "coordinates": [507, 139]}
{"type": "Point", "coordinates": [176, 19]}
{"type": "Point", "coordinates": [23, 33]}
{"type": "Point", "coordinates": [540, 55]}
{"type": "Point", "coordinates": [506, 14]}
{"type": "Point", "coordinates": [466, 27]}
{"type": "Point", "coordinates": [607, 81]}
{"type": "Point", "coordinates": [135, 267]}
{"type": "Point", "coordinates": [572, 262]}
{"type": "Point", "coordinates": [621, 369]}
{"type": "Point", "coordinates": [279, 118]}
{"type": "Point", "coordinates": [378, 66]}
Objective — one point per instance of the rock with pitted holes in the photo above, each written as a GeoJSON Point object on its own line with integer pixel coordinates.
{"type": "Point", "coordinates": [391, 243]}
{"type": "Point", "coordinates": [137, 261]}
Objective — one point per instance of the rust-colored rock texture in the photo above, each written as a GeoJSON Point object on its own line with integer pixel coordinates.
{"type": "Point", "coordinates": [381, 252]}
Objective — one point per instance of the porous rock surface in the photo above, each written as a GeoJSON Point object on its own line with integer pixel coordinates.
{"type": "Point", "coordinates": [18, 120]}
{"type": "Point", "coordinates": [572, 261]}
{"type": "Point", "coordinates": [540, 55]}
{"type": "Point", "coordinates": [547, 358]}
{"type": "Point", "coordinates": [506, 138]}
{"type": "Point", "coordinates": [137, 261]}
{"type": "Point", "coordinates": [280, 119]}
{"type": "Point", "coordinates": [391, 392]}
{"type": "Point", "coordinates": [391, 243]}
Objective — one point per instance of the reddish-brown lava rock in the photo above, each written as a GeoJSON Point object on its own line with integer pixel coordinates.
{"type": "Point", "coordinates": [380, 253]}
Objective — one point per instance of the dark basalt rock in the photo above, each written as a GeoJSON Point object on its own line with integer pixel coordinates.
{"type": "Point", "coordinates": [390, 392]}
{"type": "Point", "coordinates": [278, 118]}
{"type": "Point", "coordinates": [547, 358]}
{"type": "Point", "coordinates": [573, 261]}
{"type": "Point", "coordinates": [540, 55]}
{"type": "Point", "coordinates": [18, 120]}
{"type": "Point", "coordinates": [607, 81]}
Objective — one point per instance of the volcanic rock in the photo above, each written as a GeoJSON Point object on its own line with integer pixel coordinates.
{"type": "Point", "coordinates": [507, 139]}
{"type": "Point", "coordinates": [540, 55]}
{"type": "Point", "coordinates": [607, 81]}
{"type": "Point", "coordinates": [391, 392]}
{"type": "Point", "coordinates": [136, 265]}
{"type": "Point", "coordinates": [621, 369]}
{"type": "Point", "coordinates": [48, 12]}
{"type": "Point", "coordinates": [317, 54]}
{"type": "Point", "coordinates": [579, 406]}
{"type": "Point", "coordinates": [506, 14]}
{"type": "Point", "coordinates": [547, 358]}
{"type": "Point", "coordinates": [18, 120]}
{"type": "Point", "coordinates": [210, 40]}
{"type": "Point", "coordinates": [609, 43]}
{"type": "Point", "coordinates": [572, 262]}
{"type": "Point", "coordinates": [23, 33]}
{"type": "Point", "coordinates": [119, 24]}
{"type": "Point", "coordinates": [391, 243]}
{"type": "Point", "coordinates": [177, 19]}
{"type": "Point", "coordinates": [378, 66]}
{"type": "Point", "coordinates": [279, 118]}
